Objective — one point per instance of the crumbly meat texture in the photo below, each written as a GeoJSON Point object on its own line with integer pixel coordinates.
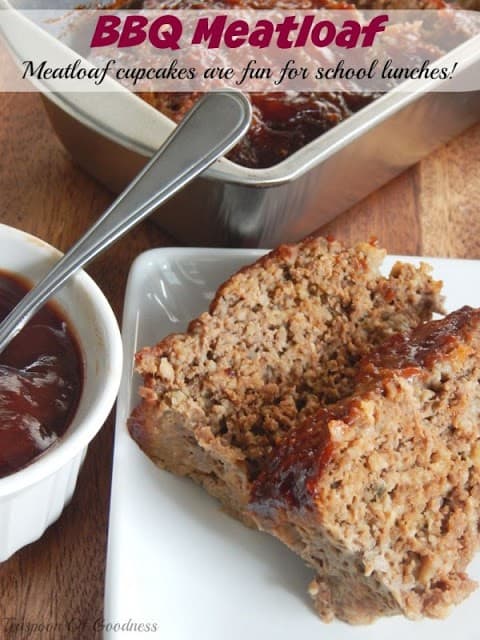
{"type": "Point", "coordinates": [381, 492]}
{"type": "Point", "coordinates": [282, 338]}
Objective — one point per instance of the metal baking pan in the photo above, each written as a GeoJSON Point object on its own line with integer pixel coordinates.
{"type": "Point", "coordinates": [111, 135]}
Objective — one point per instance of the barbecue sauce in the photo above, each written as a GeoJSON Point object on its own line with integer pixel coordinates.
{"type": "Point", "coordinates": [41, 378]}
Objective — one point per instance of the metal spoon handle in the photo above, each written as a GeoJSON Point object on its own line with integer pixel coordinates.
{"type": "Point", "coordinates": [210, 129]}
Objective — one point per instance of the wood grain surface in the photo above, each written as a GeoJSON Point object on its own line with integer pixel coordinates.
{"type": "Point", "coordinates": [53, 589]}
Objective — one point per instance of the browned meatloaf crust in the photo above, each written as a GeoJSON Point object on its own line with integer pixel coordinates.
{"type": "Point", "coordinates": [380, 493]}
{"type": "Point", "coordinates": [282, 338]}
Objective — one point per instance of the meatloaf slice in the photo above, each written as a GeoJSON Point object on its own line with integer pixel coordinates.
{"type": "Point", "coordinates": [380, 493]}
{"type": "Point", "coordinates": [282, 338]}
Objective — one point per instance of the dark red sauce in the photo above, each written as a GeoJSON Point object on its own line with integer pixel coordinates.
{"type": "Point", "coordinates": [291, 470]}
{"type": "Point", "coordinates": [408, 354]}
{"type": "Point", "coordinates": [41, 378]}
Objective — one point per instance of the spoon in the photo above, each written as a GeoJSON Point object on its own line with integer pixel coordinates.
{"type": "Point", "coordinates": [208, 131]}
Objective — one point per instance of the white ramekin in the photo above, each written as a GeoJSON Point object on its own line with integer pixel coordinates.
{"type": "Point", "coordinates": [33, 498]}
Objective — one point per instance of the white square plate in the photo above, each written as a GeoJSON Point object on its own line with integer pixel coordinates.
{"type": "Point", "coordinates": [176, 562]}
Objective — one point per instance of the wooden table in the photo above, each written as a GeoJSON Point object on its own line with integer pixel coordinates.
{"type": "Point", "coordinates": [432, 209]}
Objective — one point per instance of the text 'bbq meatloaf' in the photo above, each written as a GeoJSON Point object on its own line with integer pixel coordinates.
{"type": "Point", "coordinates": [380, 493]}
{"type": "Point", "coordinates": [281, 339]}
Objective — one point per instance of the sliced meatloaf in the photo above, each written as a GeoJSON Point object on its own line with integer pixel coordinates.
{"type": "Point", "coordinates": [282, 338]}
{"type": "Point", "coordinates": [380, 493]}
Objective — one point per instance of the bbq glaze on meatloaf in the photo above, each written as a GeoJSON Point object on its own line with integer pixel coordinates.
{"type": "Point", "coordinates": [380, 493]}
{"type": "Point", "coordinates": [282, 338]}
{"type": "Point", "coordinates": [282, 121]}
{"type": "Point", "coordinates": [285, 121]}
